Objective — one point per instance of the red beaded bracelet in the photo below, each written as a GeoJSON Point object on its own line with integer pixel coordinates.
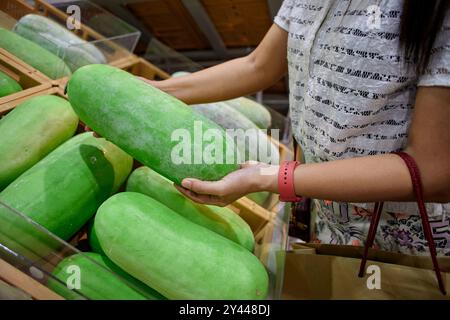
{"type": "Point", "coordinates": [286, 182]}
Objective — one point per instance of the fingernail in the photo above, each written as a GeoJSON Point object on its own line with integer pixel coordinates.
{"type": "Point", "coordinates": [186, 183]}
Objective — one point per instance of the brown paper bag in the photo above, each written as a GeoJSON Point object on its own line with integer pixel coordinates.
{"type": "Point", "coordinates": [331, 272]}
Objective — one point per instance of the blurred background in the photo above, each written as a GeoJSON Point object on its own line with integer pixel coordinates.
{"type": "Point", "coordinates": [201, 33]}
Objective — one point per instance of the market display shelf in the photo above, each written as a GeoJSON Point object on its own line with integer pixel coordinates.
{"type": "Point", "coordinates": [256, 215]}
{"type": "Point", "coordinates": [268, 223]}
{"type": "Point", "coordinates": [115, 46]}
{"type": "Point", "coordinates": [141, 67]}
{"type": "Point", "coordinates": [263, 222]}
{"type": "Point", "coordinates": [30, 80]}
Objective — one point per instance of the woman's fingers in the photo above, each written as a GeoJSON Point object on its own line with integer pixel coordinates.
{"type": "Point", "coordinates": [201, 198]}
{"type": "Point", "coordinates": [152, 82]}
{"type": "Point", "coordinates": [216, 188]}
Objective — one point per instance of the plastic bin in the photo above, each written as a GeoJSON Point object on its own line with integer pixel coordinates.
{"type": "Point", "coordinates": [117, 42]}
{"type": "Point", "coordinates": [35, 252]}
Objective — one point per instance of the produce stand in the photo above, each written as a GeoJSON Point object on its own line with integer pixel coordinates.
{"type": "Point", "coordinates": [30, 270]}
{"type": "Point", "coordinates": [268, 226]}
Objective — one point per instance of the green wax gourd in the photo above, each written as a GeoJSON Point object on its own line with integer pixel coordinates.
{"type": "Point", "coordinates": [176, 257]}
{"type": "Point", "coordinates": [256, 144]}
{"type": "Point", "coordinates": [100, 279]}
{"type": "Point", "coordinates": [259, 197]}
{"type": "Point", "coordinates": [8, 85]}
{"type": "Point", "coordinates": [50, 35]}
{"type": "Point", "coordinates": [33, 54]}
{"type": "Point", "coordinates": [31, 131]}
{"type": "Point", "coordinates": [62, 191]}
{"type": "Point", "coordinates": [155, 128]}
{"type": "Point", "coordinates": [254, 111]}
{"type": "Point", "coordinates": [220, 220]}
{"type": "Point", "coordinates": [92, 238]}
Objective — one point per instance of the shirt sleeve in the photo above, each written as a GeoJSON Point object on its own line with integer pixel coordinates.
{"type": "Point", "coordinates": [282, 19]}
{"type": "Point", "coordinates": [437, 73]}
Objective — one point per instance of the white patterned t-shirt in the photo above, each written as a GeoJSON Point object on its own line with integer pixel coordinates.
{"type": "Point", "coordinates": [352, 94]}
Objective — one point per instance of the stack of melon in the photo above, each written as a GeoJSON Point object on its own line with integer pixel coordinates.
{"type": "Point", "coordinates": [48, 46]}
{"type": "Point", "coordinates": [152, 237]}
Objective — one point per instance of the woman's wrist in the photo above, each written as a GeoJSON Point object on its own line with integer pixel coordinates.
{"type": "Point", "coordinates": [266, 179]}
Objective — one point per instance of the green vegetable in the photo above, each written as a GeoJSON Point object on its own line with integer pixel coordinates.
{"type": "Point", "coordinates": [152, 126]}
{"type": "Point", "coordinates": [259, 197]}
{"type": "Point", "coordinates": [256, 112]}
{"type": "Point", "coordinates": [254, 144]}
{"type": "Point", "coordinates": [50, 35]}
{"type": "Point", "coordinates": [34, 55]}
{"type": "Point", "coordinates": [8, 85]}
{"type": "Point", "coordinates": [62, 191]}
{"type": "Point", "coordinates": [173, 255]}
{"type": "Point", "coordinates": [92, 238]}
{"type": "Point", "coordinates": [100, 279]}
{"type": "Point", "coordinates": [220, 220]}
{"type": "Point", "coordinates": [31, 131]}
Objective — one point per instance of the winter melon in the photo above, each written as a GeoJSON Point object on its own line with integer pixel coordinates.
{"type": "Point", "coordinates": [8, 85]}
{"type": "Point", "coordinates": [100, 279]}
{"type": "Point", "coordinates": [33, 54]}
{"type": "Point", "coordinates": [256, 143]}
{"type": "Point", "coordinates": [155, 128]}
{"type": "Point", "coordinates": [50, 35]}
{"type": "Point", "coordinates": [176, 257]}
{"type": "Point", "coordinates": [32, 130]}
{"type": "Point", "coordinates": [62, 191]}
{"type": "Point", "coordinates": [220, 220]}
{"type": "Point", "coordinates": [256, 112]}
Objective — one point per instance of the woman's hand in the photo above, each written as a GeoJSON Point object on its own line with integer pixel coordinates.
{"type": "Point", "coordinates": [251, 177]}
{"type": "Point", "coordinates": [154, 83]}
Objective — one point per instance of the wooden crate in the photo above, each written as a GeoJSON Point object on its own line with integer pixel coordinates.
{"type": "Point", "coordinates": [24, 282]}
{"type": "Point", "coordinates": [31, 81]}
{"type": "Point", "coordinates": [141, 67]}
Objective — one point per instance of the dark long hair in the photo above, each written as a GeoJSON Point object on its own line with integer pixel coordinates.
{"type": "Point", "coordinates": [420, 24]}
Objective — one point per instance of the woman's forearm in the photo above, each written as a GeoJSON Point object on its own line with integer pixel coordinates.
{"type": "Point", "coordinates": [364, 179]}
{"type": "Point", "coordinates": [231, 79]}
{"type": "Point", "coordinates": [235, 78]}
